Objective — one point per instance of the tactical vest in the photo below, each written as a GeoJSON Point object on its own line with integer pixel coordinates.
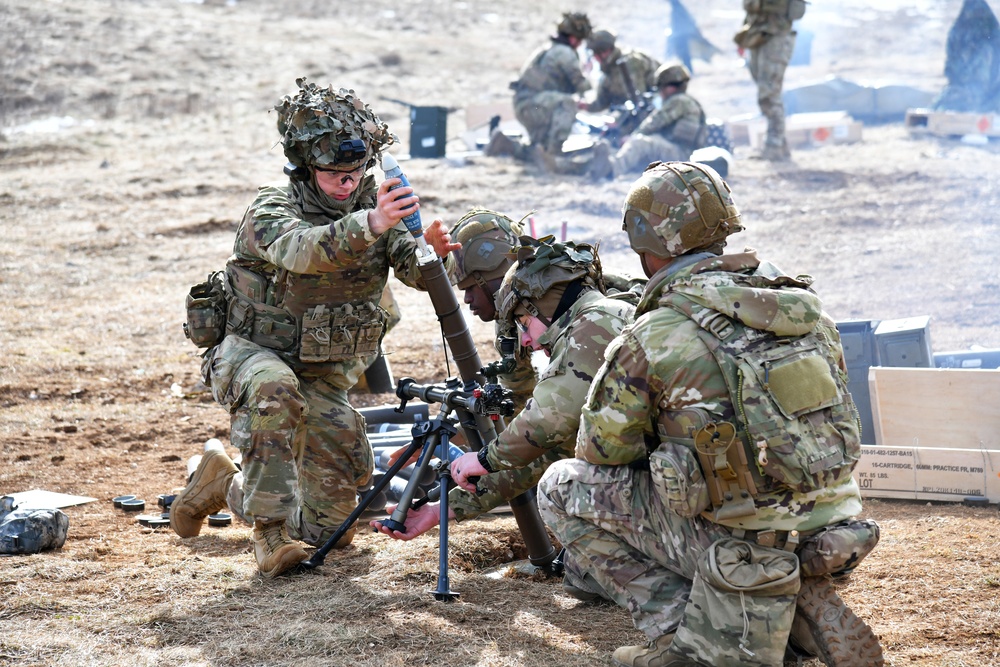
{"type": "Point", "coordinates": [793, 426]}
{"type": "Point", "coordinates": [536, 77]}
{"type": "Point", "coordinates": [325, 317]}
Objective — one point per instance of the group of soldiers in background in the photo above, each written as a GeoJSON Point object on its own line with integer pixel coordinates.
{"type": "Point", "coordinates": [656, 118]}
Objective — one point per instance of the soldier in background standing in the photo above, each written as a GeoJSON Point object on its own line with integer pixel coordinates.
{"type": "Point", "coordinates": [612, 89]}
{"type": "Point", "coordinates": [768, 37]}
{"type": "Point", "coordinates": [712, 490]}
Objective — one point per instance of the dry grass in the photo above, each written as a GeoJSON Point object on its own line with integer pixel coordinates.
{"type": "Point", "coordinates": [105, 225]}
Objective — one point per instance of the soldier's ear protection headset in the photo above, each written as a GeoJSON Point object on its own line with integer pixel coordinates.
{"type": "Point", "coordinates": [349, 150]}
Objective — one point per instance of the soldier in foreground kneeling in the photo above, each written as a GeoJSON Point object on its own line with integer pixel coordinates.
{"type": "Point", "coordinates": [712, 492]}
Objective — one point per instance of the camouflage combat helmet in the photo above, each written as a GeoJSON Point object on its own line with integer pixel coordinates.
{"type": "Point", "coordinates": [601, 41]}
{"type": "Point", "coordinates": [320, 126]}
{"type": "Point", "coordinates": [487, 239]}
{"type": "Point", "coordinates": [542, 274]}
{"type": "Point", "coordinates": [676, 207]}
{"type": "Point", "coordinates": [671, 75]}
{"type": "Point", "coordinates": [575, 24]}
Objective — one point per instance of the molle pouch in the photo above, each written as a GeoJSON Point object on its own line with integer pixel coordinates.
{"type": "Point", "coordinates": [343, 332]}
{"type": "Point", "coordinates": [315, 338]}
{"type": "Point", "coordinates": [370, 333]}
{"type": "Point", "coordinates": [685, 131]}
{"type": "Point", "coordinates": [206, 311]}
{"type": "Point", "coordinates": [837, 549]}
{"type": "Point", "coordinates": [741, 606]}
{"type": "Point", "coordinates": [678, 479]}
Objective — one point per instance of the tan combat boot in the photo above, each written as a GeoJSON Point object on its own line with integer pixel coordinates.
{"type": "Point", "coordinates": [653, 654]}
{"type": "Point", "coordinates": [205, 493]}
{"type": "Point", "coordinates": [827, 628]}
{"type": "Point", "coordinates": [275, 552]}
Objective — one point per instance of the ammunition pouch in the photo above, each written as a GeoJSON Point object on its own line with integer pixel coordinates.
{"type": "Point", "coordinates": [206, 311]}
{"type": "Point", "coordinates": [837, 549]}
{"type": "Point", "coordinates": [341, 333]}
{"type": "Point", "coordinates": [677, 476]}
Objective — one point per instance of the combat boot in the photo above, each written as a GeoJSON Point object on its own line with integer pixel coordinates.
{"type": "Point", "coordinates": [585, 589]}
{"type": "Point", "coordinates": [205, 493]}
{"type": "Point", "coordinates": [825, 627]}
{"type": "Point", "coordinates": [653, 654]}
{"type": "Point", "coordinates": [774, 152]}
{"type": "Point", "coordinates": [500, 145]}
{"type": "Point", "coordinates": [275, 552]}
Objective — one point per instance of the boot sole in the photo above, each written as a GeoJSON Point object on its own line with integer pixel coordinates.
{"type": "Point", "coordinates": [827, 628]}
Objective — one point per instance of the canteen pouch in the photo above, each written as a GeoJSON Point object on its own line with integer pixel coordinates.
{"type": "Point", "coordinates": [678, 479]}
{"type": "Point", "coordinates": [741, 606]}
{"type": "Point", "coordinates": [206, 311]}
{"type": "Point", "coordinates": [837, 549]}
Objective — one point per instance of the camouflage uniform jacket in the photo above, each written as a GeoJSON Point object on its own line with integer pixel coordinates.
{"type": "Point", "coordinates": [760, 27]}
{"type": "Point", "coordinates": [660, 375]}
{"type": "Point", "coordinates": [555, 67]}
{"type": "Point", "coordinates": [310, 253]}
{"type": "Point", "coordinates": [611, 89]}
{"type": "Point", "coordinates": [677, 108]}
{"type": "Point", "coordinates": [546, 429]}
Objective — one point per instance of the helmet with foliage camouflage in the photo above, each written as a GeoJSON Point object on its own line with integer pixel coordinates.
{"type": "Point", "coordinates": [487, 239]}
{"type": "Point", "coordinates": [601, 41]}
{"type": "Point", "coordinates": [544, 273]}
{"type": "Point", "coordinates": [575, 24]}
{"type": "Point", "coordinates": [334, 129]}
{"type": "Point", "coordinates": [671, 75]}
{"type": "Point", "coordinates": [676, 207]}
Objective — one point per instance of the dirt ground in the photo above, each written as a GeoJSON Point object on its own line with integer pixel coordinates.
{"type": "Point", "coordinates": [136, 132]}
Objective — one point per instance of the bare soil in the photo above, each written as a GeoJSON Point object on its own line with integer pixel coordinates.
{"type": "Point", "coordinates": [135, 133]}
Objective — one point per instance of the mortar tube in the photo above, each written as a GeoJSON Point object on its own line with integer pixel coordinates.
{"type": "Point", "coordinates": [541, 552]}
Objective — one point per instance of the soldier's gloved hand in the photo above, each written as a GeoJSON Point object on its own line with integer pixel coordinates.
{"type": "Point", "coordinates": [439, 239]}
{"type": "Point", "coordinates": [392, 206]}
{"type": "Point", "coordinates": [465, 466]}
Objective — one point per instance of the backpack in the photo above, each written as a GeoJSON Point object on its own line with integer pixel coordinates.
{"type": "Point", "coordinates": [794, 417]}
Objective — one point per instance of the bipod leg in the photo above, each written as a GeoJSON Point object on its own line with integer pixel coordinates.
{"type": "Point", "coordinates": [427, 434]}
{"type": "Point", "coordinates": [317, 558]}
{"type": "Point", "coordinates": [444, 592]}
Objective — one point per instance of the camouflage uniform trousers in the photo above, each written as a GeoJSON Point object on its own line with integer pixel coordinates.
{"type": "Point", "coordinates": [304, 447]}
{"type": "Point", "coordinates": [642, 149]}
{"type": "Point", "coordinates": [767, 67]}
{"type": "Point", "coordinates": [548, 116]}
{"type": "Point", "coordinates": [616, 529]}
